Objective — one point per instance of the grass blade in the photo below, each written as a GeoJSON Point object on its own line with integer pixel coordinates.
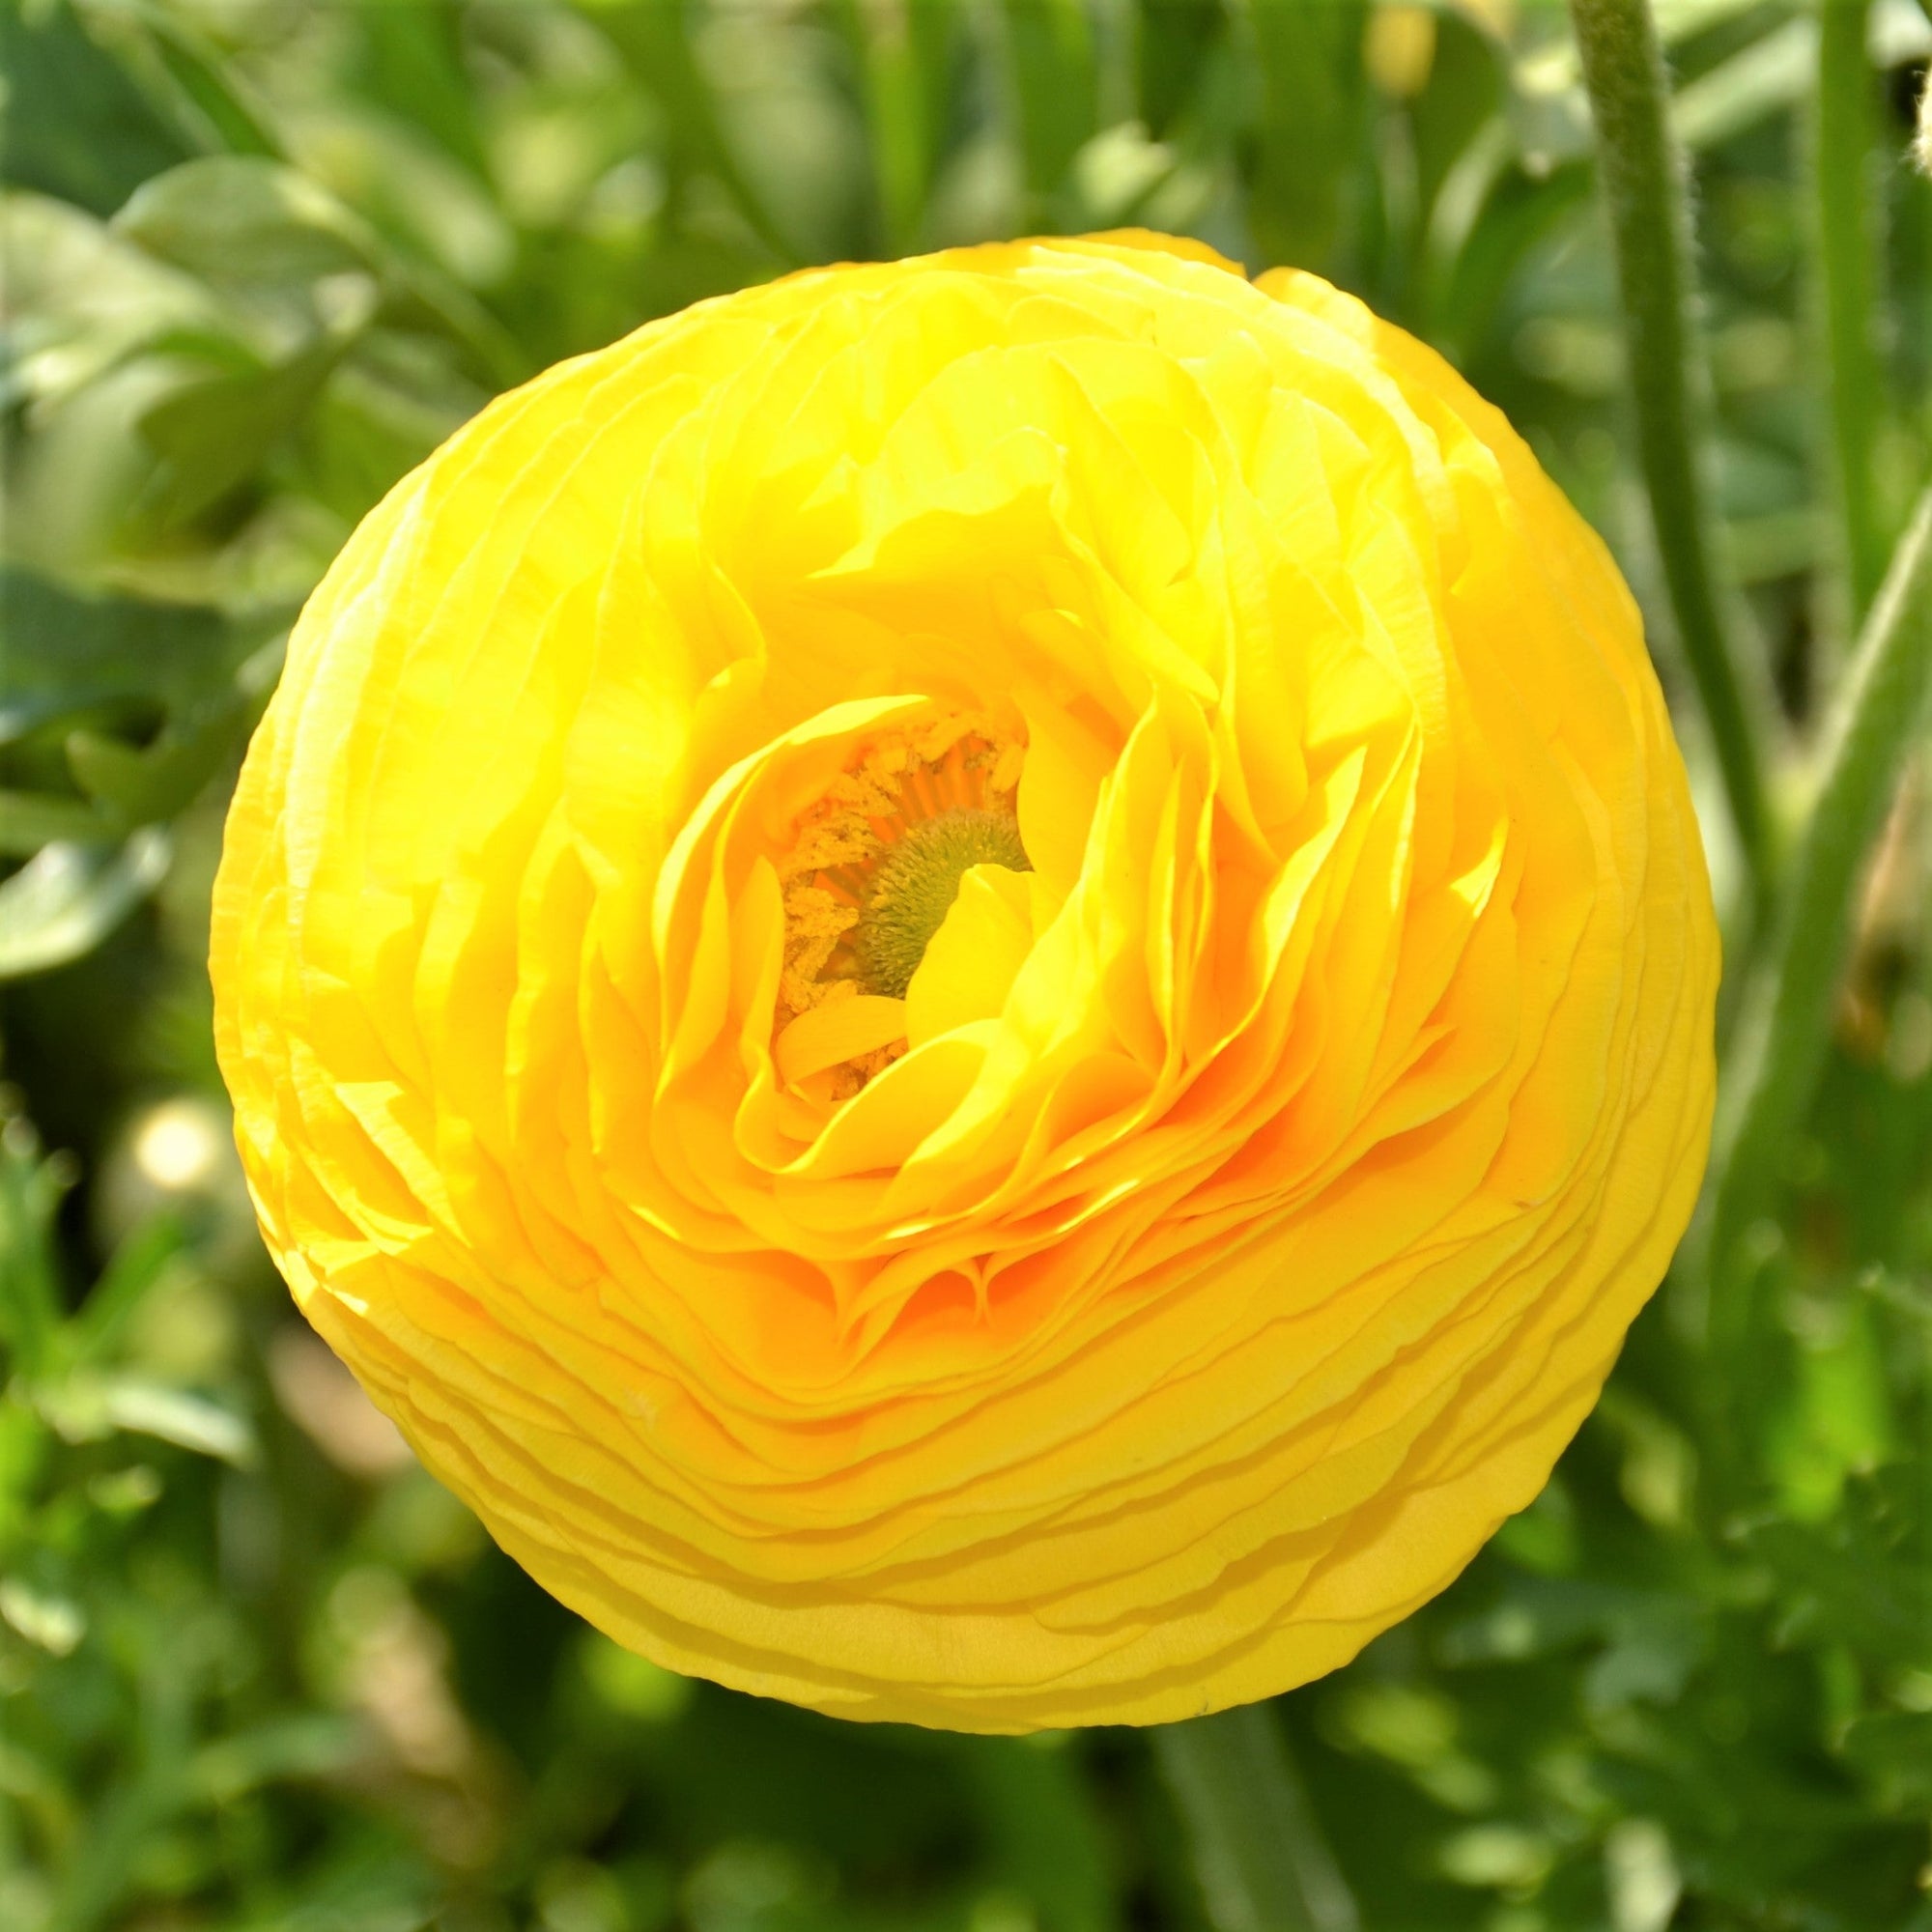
{"type": "Point", "coordinates": [1313, 100]}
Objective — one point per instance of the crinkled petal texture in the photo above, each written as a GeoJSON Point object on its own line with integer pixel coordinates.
{"type": "Point", "coordinates": [1244, 1204]}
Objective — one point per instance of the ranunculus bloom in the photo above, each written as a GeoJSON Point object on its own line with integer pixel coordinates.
{"type": "Point", "coordinates": [981, 985]}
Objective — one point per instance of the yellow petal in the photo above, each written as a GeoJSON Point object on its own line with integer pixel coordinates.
{"type": "Point", "coordinates": [837, 1031]}
{"type": "Point", "coordinates": [973, 959]}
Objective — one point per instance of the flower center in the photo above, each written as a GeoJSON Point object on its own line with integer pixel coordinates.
{"type": "Point", "coordinates": [916, 884]}
{"type": "Point", "coordinates": [875, 864]}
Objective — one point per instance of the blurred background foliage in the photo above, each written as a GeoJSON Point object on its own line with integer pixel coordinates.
{"type": "Point", "coordinates": [256, 1670]}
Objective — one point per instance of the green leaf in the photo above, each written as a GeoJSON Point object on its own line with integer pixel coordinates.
{"type": "Point", "coordinates": [75, 124]}
{"type": "Point", "coordinates": [656, 48]}
{"type": "Point", "coordinates": [214, 434]}
{"type": "Point", "coordinates": [369, 428]}
{"type": "Point", "coordinates": [256, 229]}
{"type": "Point", "coordinates": [31, 820]}
{"type": "Point", "coordinates": [1050, 51]}
{"type": "Point", "coordinates": [174, 1415]}
{"type": "Point", "coordinates": [1172, 42]}
{"type": "Point", "coordinates": [1767, 76]}
{"type": "Point", "coordinates": [1467, 93]}
{"type": "Point", "coordinates": [67, 898]}
{"type": "Point", "coordinates": [195, 70]}
{"type": "Point", "coordinates": [136, 786]}
{"type": "Point", "coordinates": [887, 46]}
{"type": "Point", "coordinates": [54, 1624]}
{"type": "Point", "coordinates": [1313, 103]}
{"type": "Point", "coordinates": [139, 1263]}
{"type": "Point", "coordinates": [30, 1190]}
{"type": "Point", "coordinates": [312, 1745]}
{"type": "Point", "coordinates": [1838, 1421]}
{"type": "Point", "coordinates": [408, 58]}
{"type": "Point", "coordinates": [244, 221]}
{"type": "Point", "coordinates": [64, 653]}
{"type": "Point", "coordinates": [1893, 1750]}
{"type": "Point", "coordinates": [86, 1408]}
{"type": "Point", "coordinates": [81, 299]}
{"type": "Point", "coordinates": [93, 665]}
{"type": "Point", "coordinates": [1489, 218]}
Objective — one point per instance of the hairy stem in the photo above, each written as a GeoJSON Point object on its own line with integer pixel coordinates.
{"type": "Point", "coordinates": [1644, 192]}
{"type": "Point", "coordinates": [1843, 131]}
{"type": "Point", "coordinates": [1785, 1024]}
{"type": "Point", "coordinates": [1258, 1854]}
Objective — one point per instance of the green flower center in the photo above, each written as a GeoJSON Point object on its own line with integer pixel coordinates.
{"type": "Point", "coordinates": [914, 885]}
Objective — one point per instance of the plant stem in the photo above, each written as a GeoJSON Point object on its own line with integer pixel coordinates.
{"type": "Point", "coordinates": [1641, 170]}
{"type": "Point", "coordinates": [1842, 217]}
{"type": "Point", "coordinates": [1786, 1022]}
{"type": "Point", "coordinates": [1258, 1854]}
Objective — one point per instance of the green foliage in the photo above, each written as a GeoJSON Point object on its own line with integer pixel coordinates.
{"type": "Point", "coordinates": [256, 1671]}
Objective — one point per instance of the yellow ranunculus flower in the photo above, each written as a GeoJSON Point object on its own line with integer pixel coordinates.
{"type": "Point", "coordinates": [981, 985]}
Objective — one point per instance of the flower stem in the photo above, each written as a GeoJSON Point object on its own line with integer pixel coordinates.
{"type": "Point", "coordinates": [1842, 138]}
{"type": "Point", "coordinates": [1258, 1854]}
{"type": "Point", "coordinates": [1641, 170]}
{"type": "Point", "coordinates": [1786, 1017]}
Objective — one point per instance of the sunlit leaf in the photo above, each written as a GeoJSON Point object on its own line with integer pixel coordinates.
{"type": "Point", "coordinates": [1769, 74]}
{"type": "Point", "coordinates": [174, 1415]}
{"type": "Point", "coordinates": [52, 1622]}
{"type": "Point", "coordinates": [310, 1745]}
{"type": "Point", "coordinates": [237, 219]}
{"type": "Point", "coordinates": [67, 898]}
